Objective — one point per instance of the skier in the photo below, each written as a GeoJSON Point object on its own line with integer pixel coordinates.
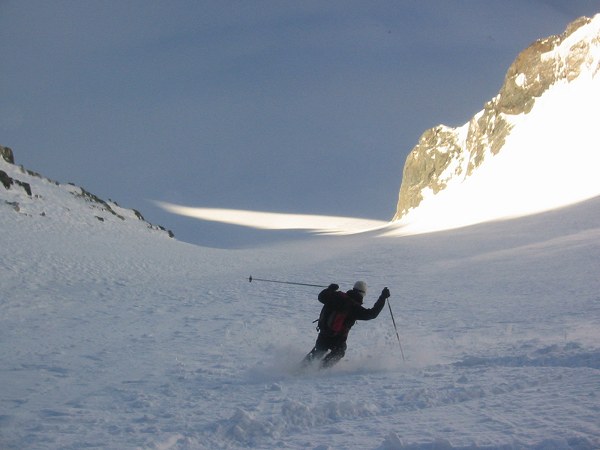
{"type": "Point", "coordinates": [339, 313]}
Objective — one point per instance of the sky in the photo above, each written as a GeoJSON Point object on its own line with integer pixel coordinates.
{"type": "Point", "coordinates": [275, 106]}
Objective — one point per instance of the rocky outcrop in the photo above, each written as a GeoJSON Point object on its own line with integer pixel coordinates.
{"type": "Point", "coordinates": [444, 154]}
{"type": "Point", "coordinates": [425, 165]}
{"type": "Point", "coordinates": [538, 67]}
{"type": "Point", "coordinates": [7, 154]}
{"type": "Point", "coordinates": [7, 181]}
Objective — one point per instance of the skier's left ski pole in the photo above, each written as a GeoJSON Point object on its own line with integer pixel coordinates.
{"type": "Point", "coordinates": [395, 328]}
{"type": "Point", "coordinates": [251, 279]}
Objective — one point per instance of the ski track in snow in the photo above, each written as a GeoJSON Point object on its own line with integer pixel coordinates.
{"type": "Point", "coordinates": [115, 339]}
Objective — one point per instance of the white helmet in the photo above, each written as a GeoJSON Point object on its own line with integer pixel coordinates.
{"type": "Point", "coordinates": [361, 287]}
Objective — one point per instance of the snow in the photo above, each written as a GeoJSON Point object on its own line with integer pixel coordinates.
{"type": "Point", "coordinates": [114, 336]}
{"type": "Point", "coordinates": [278, 221]}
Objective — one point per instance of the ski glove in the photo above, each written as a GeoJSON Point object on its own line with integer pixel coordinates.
{"type": "Point", "coordinates": [333, 287]}
{"type": "Point", "coordinates": [385, 293]}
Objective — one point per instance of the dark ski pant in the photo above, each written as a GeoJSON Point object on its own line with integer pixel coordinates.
{"type": "Point", "coordinates": [337, 345]}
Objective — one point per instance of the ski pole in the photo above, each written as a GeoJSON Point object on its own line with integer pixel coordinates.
{"type": "Point", "coordinates": [395, 328]}
{"type": "Point", "coordinates": [250, 279]}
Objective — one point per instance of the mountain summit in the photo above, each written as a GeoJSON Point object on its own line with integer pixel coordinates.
{"type": "Point", "coordinates": [533, 147]}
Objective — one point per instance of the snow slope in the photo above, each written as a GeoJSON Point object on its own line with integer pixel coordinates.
{"type": "Point", "coordinates": [114, 336]}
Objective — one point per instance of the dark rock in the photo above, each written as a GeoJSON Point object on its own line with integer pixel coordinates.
{"type": "Point", "coordinates": [25, 186]}
{"type": "Point", "coordinates": [7, 154]}
{"type": "Point", "coordinates": [6, 180]}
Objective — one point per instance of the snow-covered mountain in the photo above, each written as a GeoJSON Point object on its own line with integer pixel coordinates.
{"type": "Point", "coordinates": [532, 148]}
{"type": "Point", "coordinates": [30, 194]}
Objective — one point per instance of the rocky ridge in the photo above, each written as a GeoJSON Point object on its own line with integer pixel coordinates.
{"type": "Point", "coordinates": [26, 192]}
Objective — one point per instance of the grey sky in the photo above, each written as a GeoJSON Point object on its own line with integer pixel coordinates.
{"type": "Point", "coordinates": [287, 106]}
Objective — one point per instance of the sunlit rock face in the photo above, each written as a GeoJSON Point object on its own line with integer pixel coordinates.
{"type": "Point", "coordinates": [447, 156]}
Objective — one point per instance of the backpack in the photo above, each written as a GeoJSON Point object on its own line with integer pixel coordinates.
{"type": "Point", "coordinates": [333, 321]}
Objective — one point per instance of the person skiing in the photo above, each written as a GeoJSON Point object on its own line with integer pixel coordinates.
{"type": "Point", "coordinates": [339, 313]}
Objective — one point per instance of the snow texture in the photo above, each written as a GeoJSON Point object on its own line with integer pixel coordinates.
{"type": "Point", "coordinates": [114, 336]}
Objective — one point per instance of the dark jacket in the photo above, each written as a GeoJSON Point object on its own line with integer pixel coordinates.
{"type": "Point", "coordinates": [351, 304]}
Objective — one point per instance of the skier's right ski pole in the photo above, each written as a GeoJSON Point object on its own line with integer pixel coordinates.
{"type": "Point", "coordinates": [395, 328]}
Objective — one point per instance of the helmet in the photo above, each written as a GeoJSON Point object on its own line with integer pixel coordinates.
{"type": "Point", "coordinates": [361, 287]}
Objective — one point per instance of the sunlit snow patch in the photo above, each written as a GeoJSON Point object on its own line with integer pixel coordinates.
{"type": "Point", "coordinates": [278, 221]}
